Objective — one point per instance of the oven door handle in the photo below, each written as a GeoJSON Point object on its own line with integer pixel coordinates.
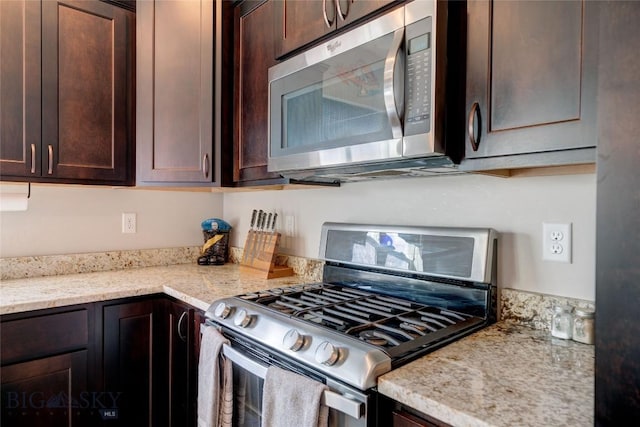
{"type": "Point", "coordinates": [330, 399]}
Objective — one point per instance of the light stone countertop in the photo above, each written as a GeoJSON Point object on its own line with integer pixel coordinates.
{"type": "Point", "coordinates": [504, 375]}
{"type": "Point", "coordinates": [191, 283]}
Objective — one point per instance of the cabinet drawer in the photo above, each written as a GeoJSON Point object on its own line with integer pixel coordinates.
{"type": "Point", "coordinates": [39, 336]}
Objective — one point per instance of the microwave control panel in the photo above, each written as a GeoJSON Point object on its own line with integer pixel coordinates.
{"type": "Point", "coordinates": [417, 115]}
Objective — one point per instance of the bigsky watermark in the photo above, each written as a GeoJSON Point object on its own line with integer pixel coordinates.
{"type": "Point", "coordinates": [104, 402]}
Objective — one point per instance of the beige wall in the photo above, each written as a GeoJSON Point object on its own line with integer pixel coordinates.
{"type": "Point", "coordinates": [516, 207]}
{"type": "Point", "coordinates": [80, 219]}
{"type": "Point", "coordinates": [76, 219]}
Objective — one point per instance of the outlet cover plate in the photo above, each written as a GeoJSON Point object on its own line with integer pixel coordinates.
{"type": "Point", "coordinates": [556, 242]}
{"type": "Point", "coordinates": [128, 222]}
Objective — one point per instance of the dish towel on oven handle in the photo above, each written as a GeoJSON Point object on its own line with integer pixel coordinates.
{"type": "Point", "coordinates": [215, 381]}
{"type": "Point", "coordinates": [291, 400]}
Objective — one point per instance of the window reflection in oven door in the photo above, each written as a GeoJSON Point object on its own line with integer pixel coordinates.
{"type": "Point", "coordinates": [247, 401]}
{"type": "Point", "coordinates": [347, 407]}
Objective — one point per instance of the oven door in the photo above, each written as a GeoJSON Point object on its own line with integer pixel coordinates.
{"type": "Point", "coordinates": [347, 407]}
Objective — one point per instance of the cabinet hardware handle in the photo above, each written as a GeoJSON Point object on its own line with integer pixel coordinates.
{"type": "Point", "coordinates": [50, 162]}
{"type": "Point", "coordinates": [475, 111]}
{"type": "Point", "coordinates": [205, 165]}
{"type": "Point", "coordinates": [182, 337]}
{"type": "Point", "coordinates": [339, 9]}
{"type": "Point", "coordinates": [33, 158]}
{"type": "Point", "coordinates": [328, 23]}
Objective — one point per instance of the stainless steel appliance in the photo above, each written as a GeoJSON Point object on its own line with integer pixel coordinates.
{"type": "Point", "coordinates": [388, 296]}
{"type": "Point", "coordinates": [368, 103]}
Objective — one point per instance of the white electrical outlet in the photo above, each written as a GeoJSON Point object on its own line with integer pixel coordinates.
{"type": "Point", "coordinates": [128, 222]}
{"type": "Point", "coordinates": [556, 242]}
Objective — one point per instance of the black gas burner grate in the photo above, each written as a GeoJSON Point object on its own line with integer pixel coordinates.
{"type": "Point", "coordinates": [380, 320]}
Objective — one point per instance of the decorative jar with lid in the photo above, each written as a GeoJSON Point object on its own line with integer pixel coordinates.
{"type": "Point", "coordinates": [562, 322]}
{"type": "Point", "coordinates": [583, 325]}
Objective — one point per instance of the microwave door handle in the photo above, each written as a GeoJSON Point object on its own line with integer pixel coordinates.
{"type": "Point", "coordinates": [389, 84]}
{"type": "Point", "coordinates": [330, 398]}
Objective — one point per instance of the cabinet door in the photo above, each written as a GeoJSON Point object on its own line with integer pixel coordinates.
{"type": "Point", "coordinates": [352, 10]}
{"type": "Point", "coordinates": [182, 347]}
{"type": "Point", "coordinates": [178, 326]}
{"type": "Point", "coordinates": [402, 418]}
{"type": "Point", "coordinates": [20, 88]}
{"type": "Point", "coordinates": [130, 332]}
{"type": "Point", "coordinates": [301, 22]}
{"type": "Point", "coordinates": [86, 90]}
{"type": "Point", "coordinates": [175, 48]}
{"type": "Point", "coordinates": [196, 320]}
{"type": "Point", "coordinates": [531, 79]}
{"type": "Point", "coordinates": [50, 392]}
{"type": "Point", "coordinates": [254, 54]}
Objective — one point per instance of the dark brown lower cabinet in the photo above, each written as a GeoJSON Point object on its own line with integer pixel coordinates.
{"type": "Point", "coordinates": [405, 419]}
{"type": "Point", "coordinates": [182, 349]}
{"type": "Point", "coordinates": [51, 391]}
{"type": "Point", "coordinates": [46, 359]}
{"type": "Point", "coordinates": [131, 332]}
{"type": "Point", "coordinates": [127, 362]}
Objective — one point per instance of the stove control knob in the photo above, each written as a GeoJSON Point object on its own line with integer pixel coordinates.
{"type": "Point", "coordinates": [242, 318]}
{"type": "Point", "coordinates": [222, 310]}
{"type": "Point", "coordinates": [293, 340]}
{"type": "Point", "coordinates": [327, 353]}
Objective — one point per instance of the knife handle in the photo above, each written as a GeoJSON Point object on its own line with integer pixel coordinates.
{"type": "Point", "coordinates": [268, 225]}
{"type": "Point", "coordinates": [253, 217]}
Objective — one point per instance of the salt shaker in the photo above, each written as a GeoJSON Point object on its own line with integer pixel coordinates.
{"type": "Point", "coordinates": [562, 322]}
{"type": "Point", "coordinates": [583, 325]}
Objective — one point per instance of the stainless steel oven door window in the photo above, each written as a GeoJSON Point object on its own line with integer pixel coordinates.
{"type": "Point", "coordinates": [347, 407]}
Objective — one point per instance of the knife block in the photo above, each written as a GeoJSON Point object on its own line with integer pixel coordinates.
{"type": "Point", "coordinates": [259, 256]}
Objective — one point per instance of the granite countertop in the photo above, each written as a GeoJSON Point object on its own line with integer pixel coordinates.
{"type": "Point", "coordinates": [191, 283]}
{"type": "Point", "coordinates": [504, 375]}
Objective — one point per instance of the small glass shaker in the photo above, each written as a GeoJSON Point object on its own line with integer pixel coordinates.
{"type": "Point", "coordinates": [583, 325]}
{"type": "Point", "coordinates": [562, 322]}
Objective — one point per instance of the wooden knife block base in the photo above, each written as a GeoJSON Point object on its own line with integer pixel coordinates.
{"type": "Point", "coordinates": [259, 256]}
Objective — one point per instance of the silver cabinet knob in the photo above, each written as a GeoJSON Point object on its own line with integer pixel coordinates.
{"type": "Point", "coordinates": [293, 340]}
{"type": "Point", "coordinates": [242, 318]}
{"type": "Point", "coordinates": [327, 353]}
{"type": "Point", "coordinates": [222, 310]}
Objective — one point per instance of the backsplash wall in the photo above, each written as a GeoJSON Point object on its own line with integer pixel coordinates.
{"type": "Point", "coordinates": [516, 207]}
{"type": "Point", "coordinates": [79, 219]}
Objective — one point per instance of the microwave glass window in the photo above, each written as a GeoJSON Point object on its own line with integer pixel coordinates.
{"type": "Point", "coordinates": [338, 101]}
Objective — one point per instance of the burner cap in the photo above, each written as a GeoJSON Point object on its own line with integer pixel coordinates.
{"type": "Point", "coordinates": [280, 307]}
{"type": "Point", "coordinates": [371, 337]}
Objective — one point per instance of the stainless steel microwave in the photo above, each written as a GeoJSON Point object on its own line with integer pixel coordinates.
{"type": "Point", "coordinates": [367, 103]}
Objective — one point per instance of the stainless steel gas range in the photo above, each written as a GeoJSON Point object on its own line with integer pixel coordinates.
{"type": "Point", "coordinates": [389, 294]}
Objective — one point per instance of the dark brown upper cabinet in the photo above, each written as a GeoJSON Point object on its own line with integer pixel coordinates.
{"type": "Point", "coordinates": [298, 23]}
{"type": "Point", "coordinates": [254, 50]}
{"type": "Point", "coordinates": [531, 84]}
{"type": "Point", "coordinates": [67, 92]}
{"type": "Point", "coordinates": [176, 45]}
